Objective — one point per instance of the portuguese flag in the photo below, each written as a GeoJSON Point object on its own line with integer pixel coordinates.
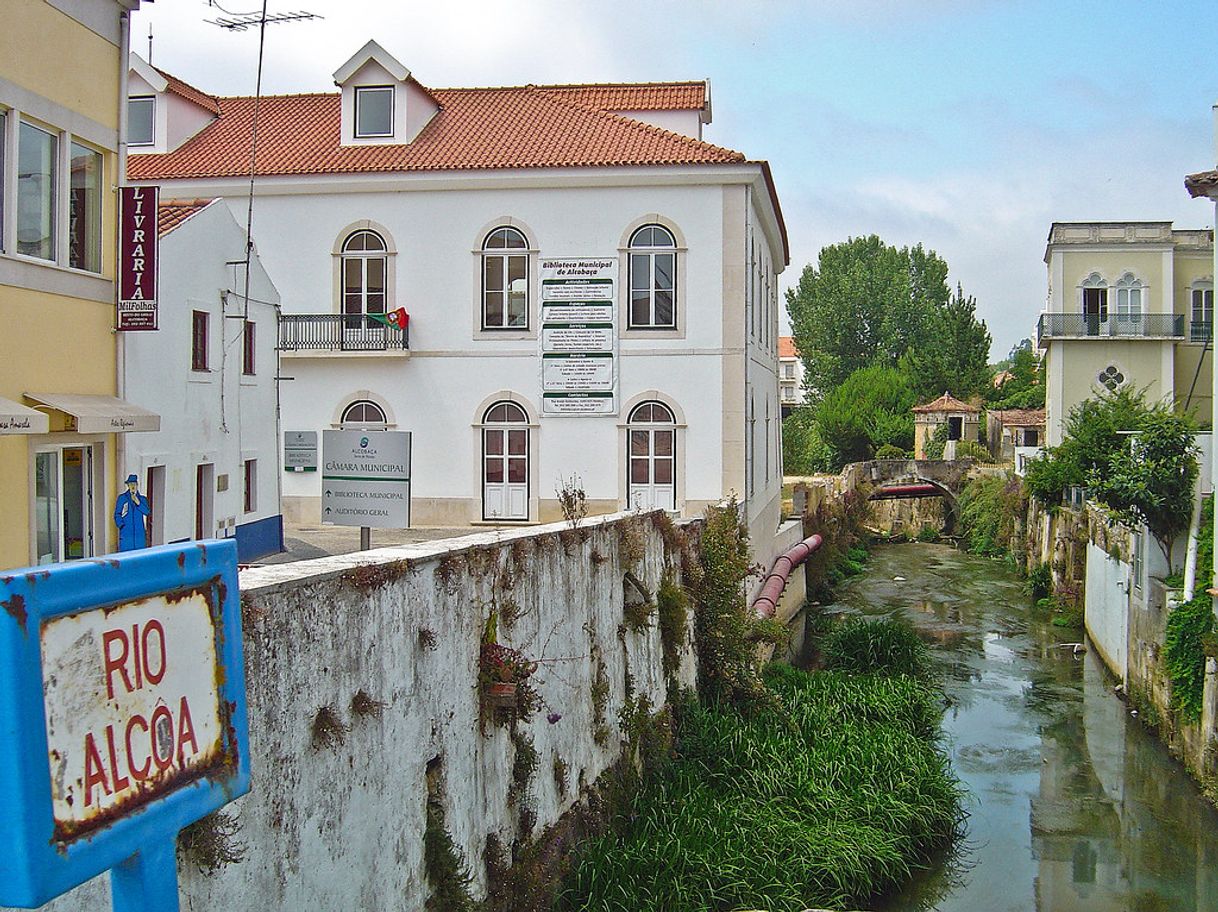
{"type": "Point", "coordinates": [398, 318]}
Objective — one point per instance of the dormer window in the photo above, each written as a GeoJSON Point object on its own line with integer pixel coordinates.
{"type": "Point", "coordinates": [373, 111]}
{"type": "Point", "coordinates": [141, 120]}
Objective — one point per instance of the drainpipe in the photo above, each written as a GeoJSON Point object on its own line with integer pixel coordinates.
{"type": "Point", "coordinates": [1194, 529]}
{"type": "Point", "coordinates": [766, 603]}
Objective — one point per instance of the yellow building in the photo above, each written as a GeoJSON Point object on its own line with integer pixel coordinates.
{"type": "Point", "coordinates": [62, 66]}
{"type": "Point", "coordinates": [1130, 304]}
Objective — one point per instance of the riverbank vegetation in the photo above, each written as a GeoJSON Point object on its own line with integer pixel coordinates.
{"type": "Point", "coordinates": [831, 798]}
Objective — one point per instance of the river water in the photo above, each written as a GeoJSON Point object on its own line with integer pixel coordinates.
{"type": "Point", "coordinates": [1073, 805]}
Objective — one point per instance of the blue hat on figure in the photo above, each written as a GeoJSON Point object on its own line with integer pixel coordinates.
{"type": "Point", "coordinates": [133, 479]}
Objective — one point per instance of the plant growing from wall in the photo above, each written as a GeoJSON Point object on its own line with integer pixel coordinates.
{"type": "Point", "coordinates": [524, 764]}
{"type": "Point", "coordinates": [443, 865]}
{"type": "Point", "coordinates": [506, 691]}
{"type": "Point", "coordinates": [991, 510]}
{"type": "Point", "coordinates": [1039, 584]}
{"type": "Point", "coordinates": [327, 729]}
{"type": "Point", "coordinates": [572, 500]}
{"type": "Point", "coordinates": [672, 605]}
{"type": "Point", "coordinates": [1184, 654]}
{"type": "Point", "coordinates": [600, 697]}
{"type": "Point", "coordinates": [724, 627]}
{"type": "Point", "coordinates": [211, 842]}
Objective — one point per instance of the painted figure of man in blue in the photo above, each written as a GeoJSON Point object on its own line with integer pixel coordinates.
{"type": "Point", "coordinates": [129, 512]}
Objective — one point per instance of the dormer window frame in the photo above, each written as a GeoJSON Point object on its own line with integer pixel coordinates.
{"type": "Point", "coordinates": [131, 101]}
{"type": "Point", "coordinates": [359, 93]}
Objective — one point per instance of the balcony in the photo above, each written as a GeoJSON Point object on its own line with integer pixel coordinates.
{"type": "Point", "coordinates": [1090, 326]}
{"type": "Point", "coordinates": [1201, 332]}
{"type": "Point", "coordinates": [320, 334]}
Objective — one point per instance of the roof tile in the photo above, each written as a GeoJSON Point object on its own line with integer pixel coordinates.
{"type": "Point", "coordinates": [172, 213]}
{"type": "Point", "coordinates": [945, 403]}
{"type": "Point", "coordinates": [475, 129]}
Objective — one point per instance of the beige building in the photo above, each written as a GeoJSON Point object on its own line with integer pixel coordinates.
{"type": "Point", "coordinates": [963, 422]}
{"type": "Point", "coordinates": [1130, 304]}
{"type": "Point", "coordinates": [62, 424]}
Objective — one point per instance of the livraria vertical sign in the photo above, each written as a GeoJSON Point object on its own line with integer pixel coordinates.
{"type": "Point", "coordinates": [137, 258]}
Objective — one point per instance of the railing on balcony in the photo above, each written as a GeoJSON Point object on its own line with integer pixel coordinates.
{"type": "Point", "coordinates": [339, 332]}
{"type": "Point", "coordinates": [1091, 326]}
{"type": "Point", "coordinates": [1201, 332]}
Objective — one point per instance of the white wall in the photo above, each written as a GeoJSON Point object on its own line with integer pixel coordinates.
{"type": "Point", "coordinates": [341, 827]}
{"type": "Point", "coordinates": [1107, 607]}
{"type": "Point", "coordinates": [196, 425]}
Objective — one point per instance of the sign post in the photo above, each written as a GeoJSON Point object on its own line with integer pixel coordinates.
{"type": "Point", "coordinates": [122, 701]}
{"type": "Point", "coordinates": [365, 479]}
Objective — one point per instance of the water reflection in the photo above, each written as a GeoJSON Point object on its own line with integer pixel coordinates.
{"type": "Point", "coordinates": [1073, 806]}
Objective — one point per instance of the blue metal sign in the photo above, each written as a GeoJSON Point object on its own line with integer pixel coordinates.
{"type": "Point", "coordinates": [122, 712]}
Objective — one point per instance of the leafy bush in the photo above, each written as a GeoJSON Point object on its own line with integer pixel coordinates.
{"type": "Point", "coordinates": [803, 451]}
{"type": "Point", "coordinates": [836, 798]}
{"type": "Point", "coordinates": [870, 409]}
{"type": "Point", "coordinates": [1184, 652]}
{"type": "Point", "coordinates": [969, 449]}
{"type": "Point", "coordinates": [888, 451]}
{"type": "Point", "coordinates": [1039, 584]}
{"type": "Point", "coordinates": [990, 510]}
{"type": "Point", "coordinates": [888, 646]}
{"type": "Point", "coordinates": [936, 443]}
{"type": "Point", "coordinates": [928, 534]}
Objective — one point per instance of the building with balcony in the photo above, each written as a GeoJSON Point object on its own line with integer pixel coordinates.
{"type": "Point", "coordinates": [790, 375]}
{"type": "Point", "coordinates": [62, 423]}
{"type": "Point", "coordinates": [538, 282]}
{"type": "Point", "coordinates": [1129, 304]}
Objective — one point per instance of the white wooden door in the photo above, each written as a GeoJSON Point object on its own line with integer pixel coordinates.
{"type": "Point", "coordinates": [653, 468]}
{"type": "Point", "coordinates": [505, 473]}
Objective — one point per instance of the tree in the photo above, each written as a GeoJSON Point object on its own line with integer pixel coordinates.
{"type": "Point", "coordinates": [956, 358]}
{"type": "Point", "coordinates": [865, 303]}
{"type": "Point", "coordinates": [1024, 389]}
{"type": "Point", "coordinates": [803, 452]}
{"type": "Point", "coordinates": [870, 409]}
{"type": "Point", "coordinates": [1151, 480]}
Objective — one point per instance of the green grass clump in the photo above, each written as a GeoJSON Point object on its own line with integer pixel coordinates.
{"type": "Point", "coordinates": [887, 646]}
{"type": "Point", "coordinates": [830, 800]}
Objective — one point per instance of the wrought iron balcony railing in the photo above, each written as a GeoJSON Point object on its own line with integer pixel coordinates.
{"type": "Point", "coordinates": [1201, 332]}
{"type": "Point", "coordinates": [1091, 326]}
{"type": "Point", "coordinates": [338, 333]}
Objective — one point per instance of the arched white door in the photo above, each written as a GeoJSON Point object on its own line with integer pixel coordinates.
{"type": "Point", "coordinates": [505, 462]}
{"type": "Point", "coordinates": [652, 434]}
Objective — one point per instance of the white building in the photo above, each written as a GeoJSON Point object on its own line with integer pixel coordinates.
{"type": "Point", "coordinates": [456, 205]}
{"type": "Point", "coordinates": [212, 470]}
{"type": "Point", "coordinates": [790, 375]}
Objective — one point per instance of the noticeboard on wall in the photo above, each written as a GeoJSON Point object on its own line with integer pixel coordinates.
{"type": "Point", "coordinates": [579, 353]}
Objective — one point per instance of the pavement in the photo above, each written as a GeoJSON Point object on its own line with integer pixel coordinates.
{"type": "Point", "coordinates": [308, 542]}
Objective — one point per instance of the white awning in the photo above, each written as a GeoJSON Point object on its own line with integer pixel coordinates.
{"type": "Point", "coordinates": [16, 418]}
{"type": "Point", "coordinates": [100, 414]}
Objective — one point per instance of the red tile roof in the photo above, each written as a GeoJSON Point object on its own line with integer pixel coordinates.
{"type": "Point", "coordinates": [646, 96]}
{"type": "Point", "coordinates": [475, 129]}
{"type": "Point", "coordinates": [945, 403]}
{"type": "Point", "coordinates": [172, 213]}
{"type": "Point", "coordinates": [786, 347]}
{"type": "Point", "coordinates": [1019, 417]}
{"type": "Point", "coordinates": [189, 92]}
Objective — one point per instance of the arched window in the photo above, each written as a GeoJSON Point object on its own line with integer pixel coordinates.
{"type": "Point", "coordinates": [1128, 301]}
{"type": "Point", "coordinates": [364, 414]}
{"type": "Point", "coordinates": [365, 275]}
{"type": "Point", "coordinates": [1202, 327]}
{"type": "Point", "coordinates": [1095, 302]}
{"type": "Point", "coordinates": [653, 279]}
{"type": "Point", "coordinates": [652, 469]}
{"type": "Point", "coordinates": [505, 462]}
{"type": "Point", "coordinates": [505, 280]}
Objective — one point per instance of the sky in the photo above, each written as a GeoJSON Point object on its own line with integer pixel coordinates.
{"type": "Point", "coordinates": [966, 125]}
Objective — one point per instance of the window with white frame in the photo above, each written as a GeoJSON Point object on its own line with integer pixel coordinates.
{"type": "Point", "coordinates": [653, 279]}
{"type": "Point", "coordinates": [1129, 299]}
{"type": "Point", "coordinates": [1202, 311]}
{"type": "Point", "coordinates": [85, 209]}
{"type": "Point", "coordinates": [373, 111]}
{"type": "Point", "coordinates": [141, 120]}
{"type": "Point", "coordinates": [365, 277]}
{"type": "Point", "coordinates": [505, 280]}
{"type": "Point", "coordinates": [364, 415]}
{"type": "Point", "coordinates": [651, 430]}
{"type": "Point", "coordinates": [37, 189]}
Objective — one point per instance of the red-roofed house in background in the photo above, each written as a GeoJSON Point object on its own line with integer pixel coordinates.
{"type": "Point", "coordinates": [591, 288]}
{"type": "Point", "coordinates": [790, 375]}
{"type": "Point", "coordinates": [963, 422]}
{"type": "Point", "coordinates": [212, 470]}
